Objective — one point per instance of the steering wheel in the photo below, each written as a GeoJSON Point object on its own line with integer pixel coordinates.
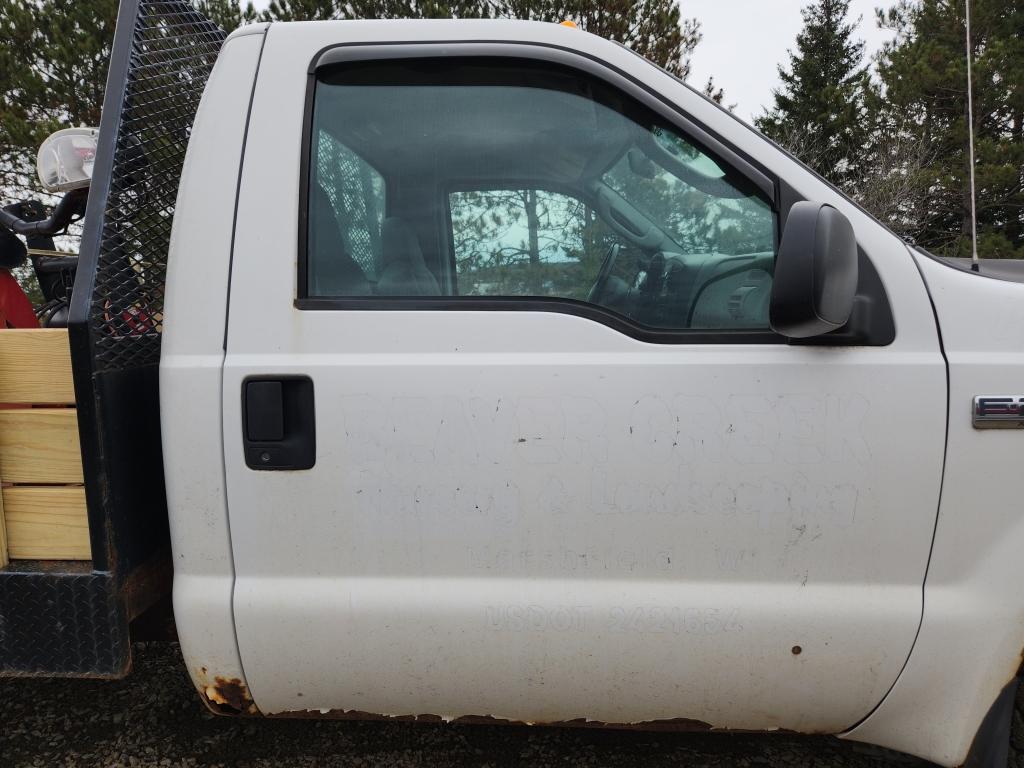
{"type": "Point", "coordinates": [603, 274]}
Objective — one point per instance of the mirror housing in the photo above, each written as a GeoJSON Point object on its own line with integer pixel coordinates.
{"type": "Point", "coordinates": [815, 273]}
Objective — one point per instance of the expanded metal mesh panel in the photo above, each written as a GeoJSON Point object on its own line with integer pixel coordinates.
{"type": "Point", "coordinates": [172, 53]}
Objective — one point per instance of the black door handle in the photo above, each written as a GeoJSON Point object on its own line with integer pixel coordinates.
{"type": "Point", "coordinates": [278, 422]}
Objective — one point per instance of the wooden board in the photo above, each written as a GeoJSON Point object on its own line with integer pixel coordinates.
{"type": "Point", "coordinates": [42, 504]}
{"type": "Point", "coordinates": [46, 523]}
{"type": "Point", "coordinates": [35, 366]}
{"type": "Point", "coordinates": [40, 445]}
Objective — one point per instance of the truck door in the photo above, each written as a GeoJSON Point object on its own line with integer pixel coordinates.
{"type": "Point", "coordinates": [506, 430]}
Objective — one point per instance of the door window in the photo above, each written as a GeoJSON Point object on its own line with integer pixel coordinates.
{"type": "Point", "coordinates": [523, 242]}
{"type": "Point", "coordinates": [549, 184]}
{"type": "Point", "coordinates": [535, 243]}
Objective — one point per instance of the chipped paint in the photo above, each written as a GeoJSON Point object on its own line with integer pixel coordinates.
{"type": "Point", "coordinates": [674, 725]}
{"type": "Point", "coordinates": [225, 696]}
{"type": "Point", "coordinates": [671, 724]}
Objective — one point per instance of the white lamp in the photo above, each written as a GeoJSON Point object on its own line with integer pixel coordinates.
{"type": "Point", "coordinates": [66, 159]}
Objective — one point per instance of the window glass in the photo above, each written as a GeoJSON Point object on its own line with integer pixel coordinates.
{"type": "Point", "coordinates": [541, 182]}
{"type": "Point", "coordinates": [713, 220]}
{"type": "Point", "coordinates": [520, 242]}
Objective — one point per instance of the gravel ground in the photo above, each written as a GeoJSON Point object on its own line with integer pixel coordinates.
{"type": "Point", "coordinates": [154, 718]}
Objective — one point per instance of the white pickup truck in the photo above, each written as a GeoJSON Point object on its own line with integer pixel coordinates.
{"type": "Point", "coordinates": [505, 377]}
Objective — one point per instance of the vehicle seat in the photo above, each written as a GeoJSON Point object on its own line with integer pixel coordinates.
{"type": "Point", "coordinates": [332, 271]}
{"type": "Point", "coordinates": [404, 273]}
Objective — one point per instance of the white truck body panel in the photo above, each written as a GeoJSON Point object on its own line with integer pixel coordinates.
{"type": "Point", "coordinates": [503, 521]}
{"type": "Point", "coordinates": [499, 523]}
{"type": "Point", "coordinates": [972, 637]}
{"type": "Point", "coordinates": [191, 363]}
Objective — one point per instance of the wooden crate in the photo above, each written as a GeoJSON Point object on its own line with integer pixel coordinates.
{"type": "Point", "coordinates": [35, 366]}
{"type": "Point", "coordinates": [42, 501]}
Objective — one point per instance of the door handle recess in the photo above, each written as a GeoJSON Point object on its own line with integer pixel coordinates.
{"type": "Point", "coordinates": [278, 422]}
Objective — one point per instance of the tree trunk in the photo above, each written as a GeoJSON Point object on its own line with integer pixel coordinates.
{"type": "Point", "coordinates": [966, 228]}
{"type": "Point", "coordinates": [532, 225]}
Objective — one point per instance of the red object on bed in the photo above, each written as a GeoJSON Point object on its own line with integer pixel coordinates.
{"type": "Point", "coordinates": [15, 308]}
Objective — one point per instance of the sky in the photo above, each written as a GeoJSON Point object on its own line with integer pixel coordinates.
{"type": "Point", "coordinates": [745, 41]}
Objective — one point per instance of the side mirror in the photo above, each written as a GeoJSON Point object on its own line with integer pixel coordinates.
{"type": "Point", "coordinates": [815, 273]}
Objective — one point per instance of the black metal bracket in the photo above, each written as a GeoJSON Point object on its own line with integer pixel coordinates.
{"type": "Point", "coordinates": [71, 205]}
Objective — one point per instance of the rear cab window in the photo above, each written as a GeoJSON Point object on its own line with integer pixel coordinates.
{"type": "Point", "coordinates": [510, 179]}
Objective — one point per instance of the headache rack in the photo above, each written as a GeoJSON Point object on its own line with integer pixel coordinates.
{"type": "Point", "coordinates": [85, 547]}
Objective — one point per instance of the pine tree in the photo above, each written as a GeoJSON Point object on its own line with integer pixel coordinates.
{"type": "Point", "coordinates": [653, 28]}
{"type": "Point", "coordinates": [301, 10]}
{"type": "Point", "coordinates": [415, 9]}
{"type": "Point", "coordinates": [309, 10]}
{"type": "Point", "coordinates": [716, 94]}
{"type": "Point", "coordinates": [53, 70]}
{"type": "Point", "coordinates": [924, 75]}
{"type": "Point", "coordinates": [819, 112]}
{"type": "Point", "coordinates": [227, 14]}
{"type": "Point", "coordinates": [53, 67]}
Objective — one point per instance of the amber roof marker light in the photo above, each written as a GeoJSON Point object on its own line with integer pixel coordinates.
{"type": "Point", "coordinates": [568, 23]}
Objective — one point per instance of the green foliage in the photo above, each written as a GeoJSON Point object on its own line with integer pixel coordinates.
{"type": "Point", "coordinates": [899, 146]}
{"type": "Point", "coordinates": [53, 68]}
{"type": "Point", "coordinates": [653, 28]}
{"type": "Point", "coordinates": [923, 102]}
{"type": "Point", "coordinates": [716, 94]}
{"type": "Point", "coordinates": [300, 10]}
{"type": "Point", "coordinates": [819, 112]}
{"type": "Point", "coordinates": [227, 14]}
{"type": "Point", "coordinates": [318, 10]}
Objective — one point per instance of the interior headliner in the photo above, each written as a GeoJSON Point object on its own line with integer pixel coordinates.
{"type": "Point", "coordinates": [499, 119]}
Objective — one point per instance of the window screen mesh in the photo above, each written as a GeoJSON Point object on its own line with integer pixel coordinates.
{"type": "Point", "coordinates": [356, 193]}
